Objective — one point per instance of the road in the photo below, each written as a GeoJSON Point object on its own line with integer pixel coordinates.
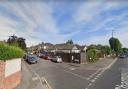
{"type": "Point", "coordinates": [112, 78]}
{"type": "Point", "coordinates": [66, 76]}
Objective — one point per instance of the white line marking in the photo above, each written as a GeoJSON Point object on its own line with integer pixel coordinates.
{"type": "Point", "coordinates": [93, 80]}
{"type": "Point", "coordinates": [111, 63]}
{"type": "Point", "coordinates": [35, 78]}
{"type": "Point", "coordinates": [94, 74]}
{"type": "Point", "coordinates": [90, 84]}
{"type": "Point", "coordinates": [82, 77]}
{"type": "Point", "coordinates": [41, 80]}
{"type": "Point", "coordinates": [47, 83]}
{"type": "Point", "coordinates": [72, 68]}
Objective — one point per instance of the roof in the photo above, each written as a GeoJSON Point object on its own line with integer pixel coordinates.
{"type": "Point", "coordinates": [64, 46]}
{"type": "Point", "coordinates": [50, 47]}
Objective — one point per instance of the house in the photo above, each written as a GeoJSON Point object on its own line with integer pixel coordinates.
{"type": "Point", "coordinates": [68, 52]}
{"type": "Point", "coordinates": [66, 48]}
{"type": "Point", "coordinates": [63, 47]}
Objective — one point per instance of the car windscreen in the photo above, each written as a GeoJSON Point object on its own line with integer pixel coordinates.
{"type": "Point", "coordinates": [32, 58]}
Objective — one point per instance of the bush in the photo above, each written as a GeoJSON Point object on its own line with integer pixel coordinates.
{"type": "Point", "coordinates": [9, 52]}
{"type": "Point", "coordinates": [92, 55]}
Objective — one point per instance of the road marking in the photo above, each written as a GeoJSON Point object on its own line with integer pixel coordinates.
{"type": "Point", "coordinates": [124, 80]}
{"type": "Point", "coordinates": [46, 83]}
{"type": "Point", "coordinates": [72, 68]}
{"type": "Point", "coordinates": [112, 63]}
{"type": "Point", "coordinates": [97, 74]}
{"type": "Point", "coordinates": [93, 80]}
{"type": "Point", "coordinates": [95, 77]}
{"type": "Point", "coordinates": [41, 81]}
{"type": "Point", "coordinates": [82, 77]}
{"type": "Point", "coordinates": [94, 74]}
{"type": "Point", "coordinates": [35, 78]}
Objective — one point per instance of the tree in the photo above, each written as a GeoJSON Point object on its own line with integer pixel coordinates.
{"type": "Point", "coordinates": [107, 50]}
{"type": "Point", "coordinates": [12, 40]}
{"type": "Point", "coordinates": [92, 46]}
{"type": "Point", "coordinates": [102, 50]}
{"type": "Point", "coordinates": [99, 46]}
{"type": "Point", "coordinates": [15, 41]}
{"type": "Point", "coordinates": [69, 42]}
{"type": "Point", "coordinates": [115, 45]}
{"type": "Point", "coordinates": [21, 43]}
{"type": "Point", "coordinates": [125, 50]}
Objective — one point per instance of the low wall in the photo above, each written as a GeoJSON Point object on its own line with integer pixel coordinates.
{"type": "Point", "coordinates": [10, 71]}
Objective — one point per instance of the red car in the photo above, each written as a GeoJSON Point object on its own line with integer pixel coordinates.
{"type": "Point", "coordinates": [48, 57]}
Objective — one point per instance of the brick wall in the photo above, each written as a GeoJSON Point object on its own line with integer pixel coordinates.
{"type": "Point", "coordinates": [11, 81]}
{"type": "Point", "coordinates": [2, 73]}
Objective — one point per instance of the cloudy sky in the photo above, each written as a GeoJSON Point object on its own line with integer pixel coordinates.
{"type": "Point", "coordinates": [82, 21]}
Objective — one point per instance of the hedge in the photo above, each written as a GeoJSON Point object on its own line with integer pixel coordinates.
{"type": "Point", "coordinates": [10, 52]}
{"type": "Point", "coordinates": [92, 55]}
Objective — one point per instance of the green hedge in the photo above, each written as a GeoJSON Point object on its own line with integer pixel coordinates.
{"type": "Point", "coordinates": [9, 52]}
{"type": "Point", "coordinates": [92, 55]}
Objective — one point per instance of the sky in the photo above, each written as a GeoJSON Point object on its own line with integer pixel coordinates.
{"type": "Point", "coordinates": [85, 22]}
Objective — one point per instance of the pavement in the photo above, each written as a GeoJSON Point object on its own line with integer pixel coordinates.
{"type": "Point", "coordinates": [48, 75]}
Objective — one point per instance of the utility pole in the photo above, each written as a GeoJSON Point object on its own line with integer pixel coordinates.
{"type": "Point", "coordinates": [113, 45]}
{"type": "Point", "coordinates": [112, 33]}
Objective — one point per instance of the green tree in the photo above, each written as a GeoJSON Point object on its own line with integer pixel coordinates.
{"type": "Point", "coordinates": [107, 50]}
{"type": "Point", "coordinates": [125, 50]}
{"type": "Point", "coordinates": [12, 40]}
{"type": "Point", "coordinates": [21, 43]}
{"type": "Point", "coordinates": [18, 42]}
{"type": "Point", "coordinates": [99, 46]}
{"type": "Point", "coordinates": [69, 42]}
{"type": "Point", "coordinates": [115, 44]}
{"type": "Point", "coordinates": [92, 46]}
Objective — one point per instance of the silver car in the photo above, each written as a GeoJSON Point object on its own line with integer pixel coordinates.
{"type": "Point", "coordinates": [31, 59]}
{"type": "Point", "coordinates": [57, 59]}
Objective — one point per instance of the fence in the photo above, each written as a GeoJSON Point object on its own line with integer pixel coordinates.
{"type": "Point", "coordinates": [73, 57]}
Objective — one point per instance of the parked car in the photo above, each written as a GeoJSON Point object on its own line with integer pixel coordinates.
{"type": "Point", "coordinates": [57, 59]}
{"type": "Point", "coordinates": [41, 55]}
{"type": "Point", "coordinates": [48, 57]}
{"type": "Point", "coordinates": [122, 56]}
{"type": "Point", "coordinates": [45, 56]}
{"type": "Point", "coordinates": [31, 59]}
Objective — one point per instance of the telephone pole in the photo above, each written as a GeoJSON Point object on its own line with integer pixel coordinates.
{"type": "Point", "coordinates": [113, 44]}
{"type": "Point", "coordinates": [112, 33]}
